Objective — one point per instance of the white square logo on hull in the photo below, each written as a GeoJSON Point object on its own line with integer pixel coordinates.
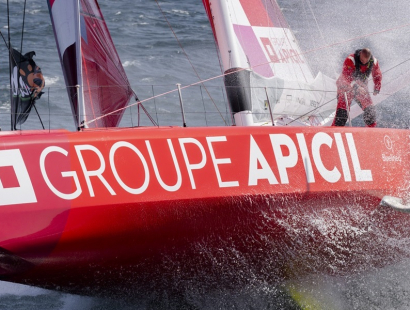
{"type": "Point", "coordinates": [24, 193]}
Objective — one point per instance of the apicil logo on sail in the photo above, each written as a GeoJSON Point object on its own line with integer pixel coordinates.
{"type": "Point", "coordinates": [15, 183]}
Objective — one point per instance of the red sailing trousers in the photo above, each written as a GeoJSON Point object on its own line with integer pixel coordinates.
{"type": "Point", "coordinates": [362, 98]}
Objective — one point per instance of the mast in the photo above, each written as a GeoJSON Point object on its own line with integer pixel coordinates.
{"type": "Point", "coordinates": [237, 78]}
{"type": "Point", "coordinates": [79, 87]}
{"type": "Point", "coordinates": [9, 48]}
{"type": "Point", "coordinates": [227, 41]}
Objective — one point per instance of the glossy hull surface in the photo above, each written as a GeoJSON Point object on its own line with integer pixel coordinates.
{"type": "Point", "coordinates": [126, 210]}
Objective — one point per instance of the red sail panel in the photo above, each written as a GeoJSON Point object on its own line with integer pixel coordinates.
{"type": "Point", "coordinates": [207, 7]}
{"type": "Point", "coordinates": [275, 14]}
{"type": "Point", "coordinates": [105, 84]}
{"type": "Point", "coordinates": [263, 13]}
{"type": "Point", "coordinates": [256, 13]}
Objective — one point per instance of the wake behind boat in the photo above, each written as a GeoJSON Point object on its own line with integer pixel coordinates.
{"type": "Point", "coordinates": [120, 209]}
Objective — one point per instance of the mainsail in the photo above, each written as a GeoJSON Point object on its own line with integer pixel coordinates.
{"type": "Point", "coordinates": [264, 64]}
{"type": "Point", "coordinates": [96, 81]}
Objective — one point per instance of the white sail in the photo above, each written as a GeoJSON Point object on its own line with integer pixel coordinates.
{"type": "Point", "coordinates": [266, 65]}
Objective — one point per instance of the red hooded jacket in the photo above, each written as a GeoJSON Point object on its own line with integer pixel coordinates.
{"type": "Point", "coordinates": [355, 73]}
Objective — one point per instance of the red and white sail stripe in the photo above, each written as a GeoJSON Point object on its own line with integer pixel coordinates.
{"type": "Point", "coordinates": [254, 33]}
{"type": "Point", "coordinates": [89, 59]}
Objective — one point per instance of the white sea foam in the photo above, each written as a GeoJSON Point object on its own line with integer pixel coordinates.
{"type": "Point", "coordinates": [51, 80]}
{"type": "Point", "coordinates": [32, 12]}
{"type": "Point", "coordinates": [180, 12]}
{"type": "Point", "coordinates": [147, 80]}
{"type": "Point", "coordinates": [132, 63]}
{"type": "Point", "coordinates": [7, 288]}
{"type": "Point", "coordinates": [5, 106]}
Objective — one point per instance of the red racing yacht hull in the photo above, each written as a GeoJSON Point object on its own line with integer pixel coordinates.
{"type": "Point", "coordinates": [125, 209]}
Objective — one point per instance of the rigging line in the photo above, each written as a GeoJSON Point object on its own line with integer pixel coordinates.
{"type": "Point", "coordinates": [324, 47]}
{"type": "Point", "coordinates": [286, 28]}
{"type": "Point", "coordinates": [88, 11]}
{"type": "Point", "coordinates": [311, 111]}
{"type": "Point", "coordinates": [146, 112]}
{"type": "Point", "coordinates": [220, 66]}
{"type": "Point", "coordinates": [169, 92]}
{"type": "Point", "coordinates": [215, 42]}
{"type": "Point", "coordinates": [219, 56]}
{"type": "Point", "coordinates": [335, 98]}
{"type": "Point", "coordinates": [8, 48]}
{"type": "Point", "coordinates": [10, 54]}
{"type": "Point", "coordinates": [320, 31]}
{"type": "Point", "coordinates": [22, 30]}
{"type": "Point", "coordinates": [89, 88]}
{"type": "Point", "coordinates": [358, 37]}
{"type": "Point", "coordinates": [282, 42]}
{"type": "Point", "coordinates": [306, 21]}
{"type": "Point", "coordinates": [194, 84]}
{"type": "Point", "coordinates": [203, 102]}
{"type": "Point", "coordinates": [270, 36]}
{"type": "Point", "coordinates": [4, 39]}
{"type": "Point", "coordinates": [34, 106]}
{"type": "Point", "coordinates": [155, 104]}
{"type": "Point", "coordinates": [186, 55]}
{"type": "Point", "coordinates": [396, 66]}
{"type": "Point", "coordinates": [272, 65]}
{"type": "Point", "coordinates": [21, 50]}
{"type": "Point", "coordinates": [241, 69]}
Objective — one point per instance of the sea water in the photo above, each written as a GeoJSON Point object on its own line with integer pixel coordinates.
{"type": "Point", "coordinates": [155, 62]}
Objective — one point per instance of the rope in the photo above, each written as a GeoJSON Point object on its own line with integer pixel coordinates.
{"type": "Point", "coordinates": [4, 39]}
{"type": "Point", "coordinates": [8, 46]}
{"type": "Point", "coordinates": [250, 68]}
{"type": "Point", "coordinates": [88, 12]}
{"type": "Point", "coordinates": [287, 32]}
{"type": "Point", "coordinates": [189, 60]}
{"type": "Point", "coordinates": [320, 30]}
{"type": "Point", "coordinates": [22, 29]}
{"type": "Point", "coordinates": [396, 66]}
{"type": "Point", "coordinates": [335, 98]}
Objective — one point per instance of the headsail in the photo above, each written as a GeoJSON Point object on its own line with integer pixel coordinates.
{"type": "Point", "coordinates": [89, 59]}
{"type": "Point", "coordinates": [265, 63]}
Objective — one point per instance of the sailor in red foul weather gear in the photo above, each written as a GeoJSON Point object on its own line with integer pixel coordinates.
{"type": "Point", "coordinates": [357, 69]}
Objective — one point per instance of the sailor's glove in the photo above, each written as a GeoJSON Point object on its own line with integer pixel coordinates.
{"type": "Point", "coordinates": [376, 92]}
